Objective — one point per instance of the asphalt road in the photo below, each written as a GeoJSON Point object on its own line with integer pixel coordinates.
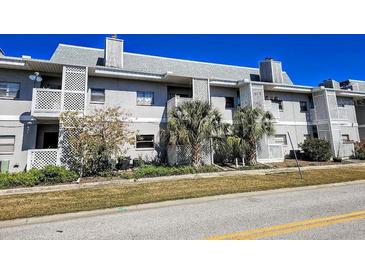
{"type": "Point", "coordinates": [265, 215]}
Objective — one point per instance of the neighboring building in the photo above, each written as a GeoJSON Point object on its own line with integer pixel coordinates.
{"type": "Point", "coordinates": [82, 79]}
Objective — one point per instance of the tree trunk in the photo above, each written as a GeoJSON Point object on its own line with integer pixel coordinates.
{"type": "Point", "coordinates": [250, 155]}
{"type": "Point", "coordinates": [196, 153]}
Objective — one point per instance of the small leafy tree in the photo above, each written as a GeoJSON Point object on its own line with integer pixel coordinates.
{"type": "Point", "coordinates": [95, 139]}
{"type": "Point", "coordinates": [227, 149]}
{"type": "Point", "coordinates": [359, 150]}
{"type": "Point", "coordinates": [316, 150]}
{"type": "Point", "coordinates": [194, 123]}
{"type": "Point", "coordinates": [250, 125]}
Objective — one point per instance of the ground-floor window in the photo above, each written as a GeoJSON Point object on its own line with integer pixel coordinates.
{"type": "Point", "coordinates": [281, 139]}
{"type": "Point", "coordinates": [7, 143]}
{"type": "Point", "coordinates": [145, 141]}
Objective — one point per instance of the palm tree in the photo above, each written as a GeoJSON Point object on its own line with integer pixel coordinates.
{"type": "Point", "coordinates": [250, 125]}
{"type": "Point", "coordinates": [194, 123]}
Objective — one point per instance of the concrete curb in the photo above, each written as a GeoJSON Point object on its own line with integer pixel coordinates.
{"type": "Point", "coordinates": [170, 203]}
{"type": "Point", "coordinates": [41, 189]}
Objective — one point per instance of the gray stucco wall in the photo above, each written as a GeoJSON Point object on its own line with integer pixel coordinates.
{"type": "Point", "coordinates": [123, 93]}
{"type": "Point", "coordinates": [291, 106]}
{"type": "Point", "coordinates": [25, 136]}
{"type": "Point", "coordinates": [15, 119]}
{"type": "Point", "coordinates": [147, 119]}
{"type": "Point", "coordinates": [24, 102]}
{"type": "Point", "coordinates": [218, 101]}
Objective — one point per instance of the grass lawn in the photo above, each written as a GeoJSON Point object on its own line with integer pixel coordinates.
{"type": "Point", "coordinates": [37, 204]}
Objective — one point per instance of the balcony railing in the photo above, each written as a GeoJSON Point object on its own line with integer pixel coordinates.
{"type": "Point", "coordinates": [176, 101]}
{"type": "Point", "coordinates": [51, 102]}
{"type": "Point", "coordinates": [38, 158]}
{"type": "Point", "coordinates": [342, 114]}
{"type": "Point", "coordinates": [347, 149]}
{"type": "Point", "coordinates": [270, 153]}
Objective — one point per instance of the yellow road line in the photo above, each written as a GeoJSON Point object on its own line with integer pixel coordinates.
{"type": "Point", "coordinates": [290, 227]}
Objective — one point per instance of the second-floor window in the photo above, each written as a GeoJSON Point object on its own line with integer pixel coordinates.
{"type": "Point", "coordinates": [229, 102]}
{"type": "Point", "coordinates": [9, 90]}
{"type": "Point", "coordinates": [303, 106]}
{"type": "Point", "coordinates": [97, 95]}
{"type": "Point", "coordinates": [145, 98]}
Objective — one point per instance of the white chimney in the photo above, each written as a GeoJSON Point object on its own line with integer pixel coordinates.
{"type": "Point", "coordinates": [271, 71]}
{"type": "Point", "coordinates": [113, 52]}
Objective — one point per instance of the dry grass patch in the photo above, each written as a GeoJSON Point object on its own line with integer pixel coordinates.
{"type": "Point", "coordinates": [38, 204]}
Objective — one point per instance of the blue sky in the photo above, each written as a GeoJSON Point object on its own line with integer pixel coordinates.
{"type": "Point", "coordinates": [308, 59]}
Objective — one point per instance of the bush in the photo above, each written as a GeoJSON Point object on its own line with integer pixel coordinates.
{"type": "Point", "coordinates": [316, 150]}
{"type": "Point", "coordinates": [157, 171]}
{"type": "Point", "coordinates": [360, 150]}
{"type": "Point", "coordinates": [48, 175]}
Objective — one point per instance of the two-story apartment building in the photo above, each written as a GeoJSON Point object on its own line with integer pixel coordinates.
{"type": "Point", "coordinates": [147, 87]}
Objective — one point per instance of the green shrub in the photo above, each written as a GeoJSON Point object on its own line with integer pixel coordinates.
{"type": "Point", "coordinates": [316, 150]}
{"type": "Point", "coordinates": [48, 175]}
{"type": "Point", "coordinates": [360, 150]}
{"type": "Point", "coordinates": [162, 170]}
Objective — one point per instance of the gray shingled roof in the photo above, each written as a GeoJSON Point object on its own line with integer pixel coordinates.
{"type": "Point", "coordinates": [90, 57]}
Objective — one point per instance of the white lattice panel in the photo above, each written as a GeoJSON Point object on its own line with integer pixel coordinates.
{"type": "Point", "coordinates": [74, 101]}
{"type": "Point", "coordinates": [47, 100]}
{"type": "Point", "coordinates": [258, 96]}
{"type": "Point", "coordinates": [319, 99]}
{"type": "Point", "coordinates": [263, 149]}
{"type": "Point", "coordinates": [75, 78]}
{"type": "Point", "coordinates": [201, 89]}
{"type": "Point", "coordinates": [183, 155]}
{"type": "Point", "coordinates": [332, 105]}
{"type": "Point", "coordinates": [206, 154]}
{"type": "Point", "coordinates": [39, 158]}
{"type": "Point", "coordinates": [66, 155]}
{"type": "Point", "coordinates": [276, 151]}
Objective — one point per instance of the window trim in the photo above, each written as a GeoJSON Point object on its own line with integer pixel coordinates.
{"type": "Point", "coordinates": [146, 105]}
{"type": "Point", "coordinates": [18, 92]}
{"type": "Point", "coordinates": [286, 139]}
{"type": "Point", "coordinates": [145, 148]}
{"type": "Point", "coordinates": [8, 152]}
{"type": "Point", "coordinates": [97, 102]}
{"type": "Point", "coordinates": [348, 140]}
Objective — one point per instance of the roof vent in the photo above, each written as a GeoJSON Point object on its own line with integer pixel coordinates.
{"type": "Point", "coordinates": [113, 52]}
{"type": "Point", "coordinates": [271, 71]}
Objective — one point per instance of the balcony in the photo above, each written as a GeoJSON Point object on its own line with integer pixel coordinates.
{"type": "Point", "coordinates": [48, 103]}
{"type": "Point", "coordinates": [38, 158]}
{"type": "Point", "coordinates": [176, 101]}
{"type": "Point", "coordinates": [342, 114]}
